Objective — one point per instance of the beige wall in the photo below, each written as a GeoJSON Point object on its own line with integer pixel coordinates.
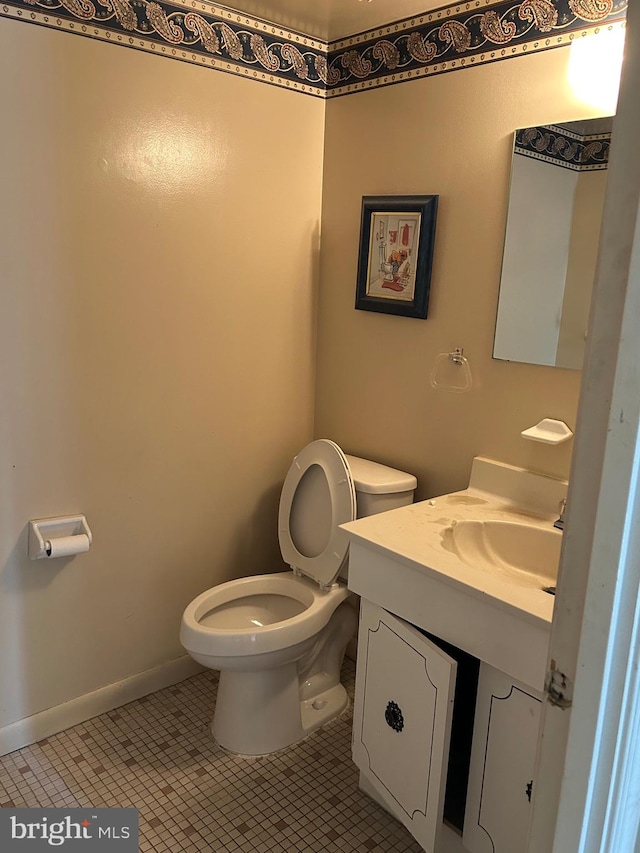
{"type": "Point", "coordinates": [451, 135]}
{"type": "Point", "coordinates": [158, 251]}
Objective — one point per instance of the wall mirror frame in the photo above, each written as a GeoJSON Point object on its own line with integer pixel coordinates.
{"type": "Point", "coordinates": [558, 182]}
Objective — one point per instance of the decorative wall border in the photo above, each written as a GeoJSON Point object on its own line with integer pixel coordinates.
{"type": "Point", "coordinates": [213, 36]}
{"type": "Point", "coordinates": [197, 31]}
{"type": "Point", "coordinates": [564, 148]}
{"type": "Point", "coordinates": [459, 37]}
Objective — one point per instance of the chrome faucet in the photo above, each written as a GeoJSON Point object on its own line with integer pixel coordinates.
{"type": "Point", "coordinates": [559, 522]}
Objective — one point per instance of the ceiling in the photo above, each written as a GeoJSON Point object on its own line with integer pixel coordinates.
{"type": "Point", "coordinates": [330, 20]}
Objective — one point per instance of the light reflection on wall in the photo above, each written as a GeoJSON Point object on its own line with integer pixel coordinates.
{"type": "Point", "coordinates": [171, 156]}
{"type": "Point", "coordinates": [595, 64]}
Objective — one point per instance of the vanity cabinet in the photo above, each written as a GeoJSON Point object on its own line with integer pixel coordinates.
{"type": "Point", "coordinates": [452, 656]}
{"type": "Point", "coordinates": [402, 719]}
{"type": "Point", "coordinates": [501, 775]}
{"type": "Point", "coordinates": [406, 698]}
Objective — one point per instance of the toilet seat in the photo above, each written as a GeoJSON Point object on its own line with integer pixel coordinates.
{"type": "Point", "coordinates": [311, 540]}
{"type": "Point", "coordinates": [223, 638]}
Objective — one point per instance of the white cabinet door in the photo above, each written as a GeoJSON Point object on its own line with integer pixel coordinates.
{"type": "Point", "coordinates": [505, 739]}
{"type": "Point", "coordinates": [402, 719]}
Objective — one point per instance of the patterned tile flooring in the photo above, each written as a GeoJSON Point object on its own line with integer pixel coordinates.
{"type": "Point", "coordinates": [156, 754]}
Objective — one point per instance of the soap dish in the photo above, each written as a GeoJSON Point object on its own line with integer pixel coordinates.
{"type": "Point", "coordinates": [548, 431]}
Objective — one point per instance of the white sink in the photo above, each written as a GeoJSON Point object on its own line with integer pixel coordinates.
{"type": "Point", "coordinates": [470, 567]}
{"type": "Point", "coordinates": [527, 553]}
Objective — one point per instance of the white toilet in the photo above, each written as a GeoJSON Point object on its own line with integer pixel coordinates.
{"type": "Point", "coordinates": [279, 639]}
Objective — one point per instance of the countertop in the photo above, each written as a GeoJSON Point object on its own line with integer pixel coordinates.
{"type": "Point", "coordinates": [419, 535]}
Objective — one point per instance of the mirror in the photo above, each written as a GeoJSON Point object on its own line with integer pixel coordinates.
{"type": "Point", "coordinates": [558, 182]}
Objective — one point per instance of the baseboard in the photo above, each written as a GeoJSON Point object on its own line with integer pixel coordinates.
{"type": "Point", "coordinates": [53, 720]}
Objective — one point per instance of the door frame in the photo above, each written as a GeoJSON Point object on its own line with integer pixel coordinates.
{"type": "Point", "coordinates": [588, 785]}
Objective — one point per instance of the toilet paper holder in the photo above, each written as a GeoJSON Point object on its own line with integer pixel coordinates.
{"type": "Point", "coordinates": [44, 531]}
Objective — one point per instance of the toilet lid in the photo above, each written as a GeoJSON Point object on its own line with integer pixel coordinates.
{"type": "Point", "coordinates": [318, 495]}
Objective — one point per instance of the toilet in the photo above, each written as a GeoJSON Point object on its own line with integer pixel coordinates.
{"type": "Point", "coordinates": [279, 639]}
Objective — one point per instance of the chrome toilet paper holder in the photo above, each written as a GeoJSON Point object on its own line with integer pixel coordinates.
{"type": "Point", "coordinates": [44, 531]}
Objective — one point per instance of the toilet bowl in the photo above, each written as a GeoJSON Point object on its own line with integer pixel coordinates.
{"type": "Point", "coordinates": [279, 639]}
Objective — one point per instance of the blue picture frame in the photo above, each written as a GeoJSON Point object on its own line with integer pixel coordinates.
{"type": "Point", "coordinates": [397, 236]}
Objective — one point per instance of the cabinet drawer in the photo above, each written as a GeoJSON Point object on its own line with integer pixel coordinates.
{"type": "Point", "coordinates": [402, 719]}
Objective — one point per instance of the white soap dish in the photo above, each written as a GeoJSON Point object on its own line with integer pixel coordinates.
{"type": "Point", "coordinates": [548, 431]}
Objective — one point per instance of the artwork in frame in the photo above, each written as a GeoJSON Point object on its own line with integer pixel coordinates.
{"type": "Point", "coordinates": [397, 235]}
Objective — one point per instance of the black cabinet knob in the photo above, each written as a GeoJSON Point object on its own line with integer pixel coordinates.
{"type": "Point", "coordinates": [393, 716]}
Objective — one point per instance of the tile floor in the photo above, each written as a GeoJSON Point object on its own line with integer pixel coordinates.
{"type": "Point", "coordinates": [156, 754]}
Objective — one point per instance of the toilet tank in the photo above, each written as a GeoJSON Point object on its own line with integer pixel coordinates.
{"type": "Point", "coordinates": [378, 487]}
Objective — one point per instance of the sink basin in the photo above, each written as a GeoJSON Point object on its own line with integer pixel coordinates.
{"type": "Point", "coordinates": [529, 554]}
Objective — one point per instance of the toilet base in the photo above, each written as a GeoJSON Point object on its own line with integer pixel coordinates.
{"type": "Point", "coordinates": [324, 708]}
{"type": "Point", "coordinates": [256, 711]}
{"type": "Point", "coordinates": [270, 715]}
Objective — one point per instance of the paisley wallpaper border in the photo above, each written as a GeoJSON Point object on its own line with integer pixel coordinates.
{"type": "Point", "coordinates": [217, 37]}
{"type": "Point", "coordinates": [462, 36]}
{"type": "Point", "coordinates": [198, 32]}
{"type": "Point", "coordinates": [561, 147]}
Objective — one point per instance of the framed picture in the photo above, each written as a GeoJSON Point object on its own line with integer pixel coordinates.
{"type": "Point", "coordinates": [397, 235]}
